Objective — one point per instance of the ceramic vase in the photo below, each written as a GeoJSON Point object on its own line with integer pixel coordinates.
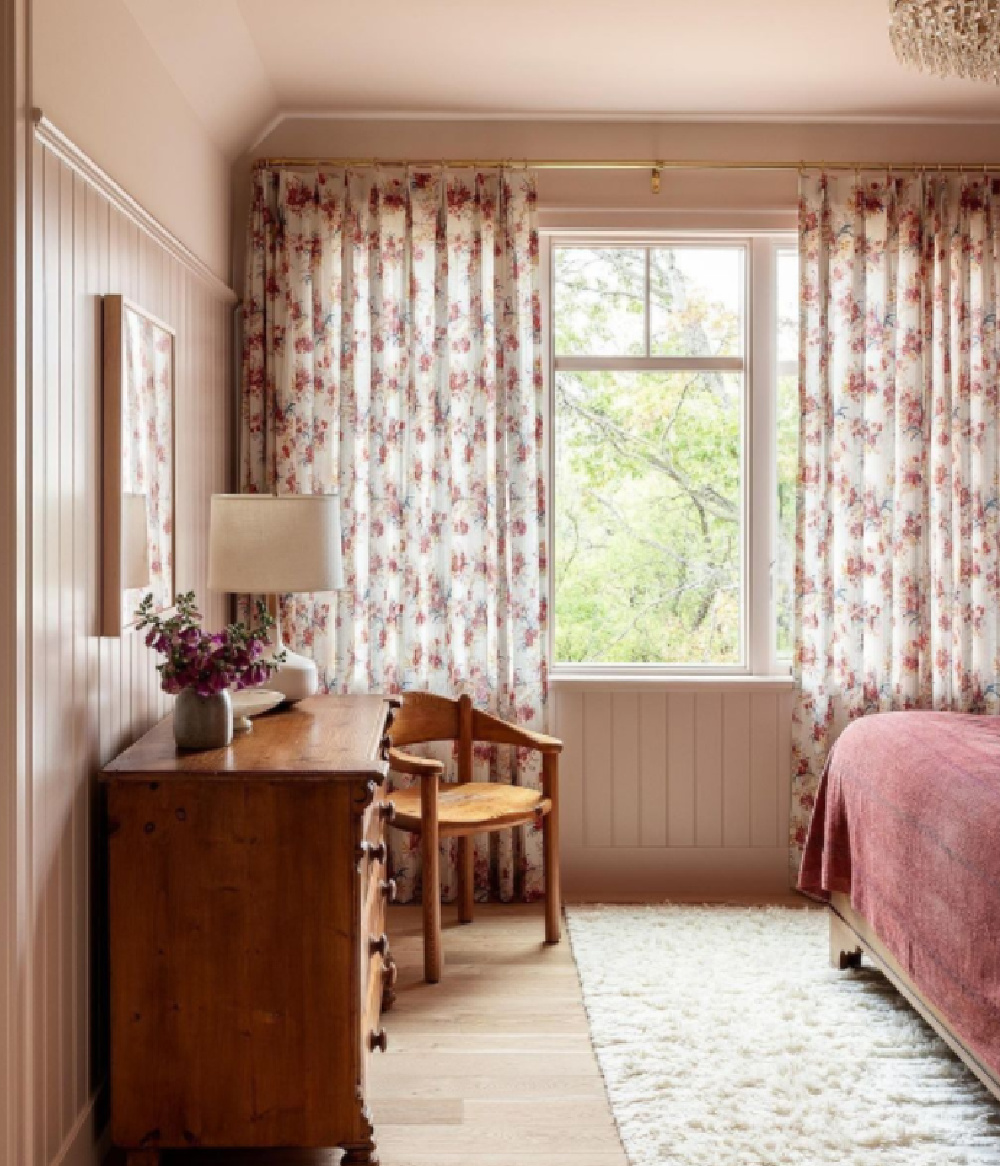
{"type": "Point", "coordinates": [203, 722]}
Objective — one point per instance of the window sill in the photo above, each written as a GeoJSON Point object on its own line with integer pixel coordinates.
{"type": "Point", "coordinates": [672, 682]}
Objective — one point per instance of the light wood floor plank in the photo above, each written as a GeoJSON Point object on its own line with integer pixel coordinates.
{"type": "Point", "coordinates": [491, 1067]}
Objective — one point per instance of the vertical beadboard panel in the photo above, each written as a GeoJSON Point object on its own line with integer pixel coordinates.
{"type": "Point", "coordinates": [90, 696]}
{"type": "Point", "coordinates": [677, 790]}
{"type": "Point", "coordinates": [598, 776]}
{"type": "Point", "coordinates": [783, 718]}
{"type": "Point", "coordinates": [766, 785]}
{"type": "Point", "coordinates": [709, 730]}
{"type": "Point", "coordinates": [736, 769]}
{"type": "Point", "coordinates": [680, 769]}
{"type": "Point", "coordinates": [625, 769]}
{"type": "Point", "coordinates": [652, 769]}
{"type": "Point", "coordinates": [567, 724]}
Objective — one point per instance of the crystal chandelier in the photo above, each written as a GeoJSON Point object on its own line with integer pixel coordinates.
{"type": "Point", "coordinates": [956, 38]}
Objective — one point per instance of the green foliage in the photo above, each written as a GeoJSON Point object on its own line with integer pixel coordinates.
{"type": "Point", "coordinates": [648, 488]}
{"type": "Point", "coordinates": [648, 467]}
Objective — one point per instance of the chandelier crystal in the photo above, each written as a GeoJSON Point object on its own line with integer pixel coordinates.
{"type": "Point", "coordinates": [953, 38]}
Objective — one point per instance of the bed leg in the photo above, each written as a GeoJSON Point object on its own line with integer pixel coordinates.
{"type": "Point", "coordinates": [845, 951]}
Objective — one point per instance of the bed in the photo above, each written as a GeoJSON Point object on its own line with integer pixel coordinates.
{"type": "Point", "coordinates": [904, 846]}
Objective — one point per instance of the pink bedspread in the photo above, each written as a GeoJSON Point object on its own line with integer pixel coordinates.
{"type": "Point", "coordinates": [907, 822]}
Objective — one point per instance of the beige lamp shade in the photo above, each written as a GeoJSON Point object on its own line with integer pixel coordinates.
{"type": "Point", "coordinates": [265, 545]}
{"type": "Point", "coordinates": [135, 551]}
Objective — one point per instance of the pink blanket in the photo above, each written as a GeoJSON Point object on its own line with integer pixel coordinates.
{"type": "Point", "coordinates": [907, 822]}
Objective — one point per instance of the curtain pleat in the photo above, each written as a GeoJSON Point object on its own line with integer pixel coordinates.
{"type": "Point", "coordinates": [392, 353]}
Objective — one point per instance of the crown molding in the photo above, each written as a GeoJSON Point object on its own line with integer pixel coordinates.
{"type": "Point", "coordinates": [639, 117]}
{"type": "Point", "coordinates": [56, 141]}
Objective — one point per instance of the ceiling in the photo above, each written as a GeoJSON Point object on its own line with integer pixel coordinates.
{"type": "Point", "coordinates": [241, 63]}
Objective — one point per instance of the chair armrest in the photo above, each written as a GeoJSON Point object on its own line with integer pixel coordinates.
{"type": "Point", "coordinates": [491, 729]}
{"type": "Point", "coordinates": [416, 766]}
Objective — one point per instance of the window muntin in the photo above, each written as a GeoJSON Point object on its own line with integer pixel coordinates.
{"type": "Point", "coordinates": [649, 392]}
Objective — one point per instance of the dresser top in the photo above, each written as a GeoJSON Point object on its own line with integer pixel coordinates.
{"type": "Point", "coordinates": [323, 738]}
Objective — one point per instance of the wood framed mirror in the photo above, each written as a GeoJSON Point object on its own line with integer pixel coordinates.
{"type": "Point", "coordinates": [138, 463]}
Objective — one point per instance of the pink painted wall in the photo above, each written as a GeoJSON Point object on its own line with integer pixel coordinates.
{"type": "Point", "coordinates": [96, 77]}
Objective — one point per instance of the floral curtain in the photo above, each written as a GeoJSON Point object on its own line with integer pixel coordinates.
{"type": "Point", "coordinates": [897, 567]}
{"type": "Point", "coordinates": [392, 353]}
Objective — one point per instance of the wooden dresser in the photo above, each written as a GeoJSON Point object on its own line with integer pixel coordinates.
{"type": "Point", "coordinates": [249, 964]}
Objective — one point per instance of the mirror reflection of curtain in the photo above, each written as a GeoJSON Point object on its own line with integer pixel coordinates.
{"type": "Point", "coordinates": [898, 560]}
{"type": "Point", "coordinates": [392, 352]}
{"type": "Point", "coordinates": [147, 442]}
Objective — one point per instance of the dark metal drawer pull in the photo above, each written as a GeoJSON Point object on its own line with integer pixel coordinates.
{"type": "Point", "coordinates": [388, 888]}
{"type": "Point", "coordinates": [375, 851]}
{"type": "Point", "coordinates": [387, 812]}
{"type": "Point", "coordinates": [379, 945]}
{"type": "Point", "coordinates": [378, 1040]}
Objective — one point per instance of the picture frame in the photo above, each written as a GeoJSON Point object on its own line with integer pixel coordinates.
{"type": "Point", "coordinates": [138, 463]}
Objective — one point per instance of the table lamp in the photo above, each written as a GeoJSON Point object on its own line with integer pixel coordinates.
{"type": "Point", "coordinates": [261, 544]}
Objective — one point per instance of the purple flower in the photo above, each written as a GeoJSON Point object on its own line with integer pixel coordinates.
{"type": "Point", "coordinates": [208, 662]}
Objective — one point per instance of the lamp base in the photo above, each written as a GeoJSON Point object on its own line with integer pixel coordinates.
{"type": "Point", "coordinates": [296, 678]}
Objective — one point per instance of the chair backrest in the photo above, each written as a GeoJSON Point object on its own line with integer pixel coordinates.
{"type": "Point", "coordinates": [424, 717]}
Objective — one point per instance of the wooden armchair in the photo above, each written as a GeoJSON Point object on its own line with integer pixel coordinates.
{"type": "Point", "coordinates": [436, 810]}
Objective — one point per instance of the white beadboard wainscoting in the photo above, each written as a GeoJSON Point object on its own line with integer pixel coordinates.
{"type": "Point", "coordinates": [85, 696]}
{"type": "Point", "coordinates": [674, 789]}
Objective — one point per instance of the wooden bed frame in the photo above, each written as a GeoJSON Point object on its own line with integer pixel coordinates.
{"type": "Point", "coordinates": [850, 935]}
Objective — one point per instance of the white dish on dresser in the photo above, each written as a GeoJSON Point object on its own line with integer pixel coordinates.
{"type": "Point", "coordinates": [251, 702]}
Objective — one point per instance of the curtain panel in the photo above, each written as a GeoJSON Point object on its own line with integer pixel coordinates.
{"type": "Point", "coordinates": [392, 354]}
{"type": "Point", "coordinates": [897, 569]}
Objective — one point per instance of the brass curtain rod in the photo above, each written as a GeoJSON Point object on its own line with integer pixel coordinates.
{"type": "Point", "coordinates": [655, 164]}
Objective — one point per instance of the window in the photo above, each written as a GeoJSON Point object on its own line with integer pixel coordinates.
{"type": "Point", "coordinates": [650, 384]}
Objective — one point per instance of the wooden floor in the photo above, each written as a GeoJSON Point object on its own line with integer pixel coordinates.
{"type": "Point", "coordinates": [491, 1067]}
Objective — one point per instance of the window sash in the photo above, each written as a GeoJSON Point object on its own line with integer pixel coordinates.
{"type": "Point", "coordinates": [761, 370]}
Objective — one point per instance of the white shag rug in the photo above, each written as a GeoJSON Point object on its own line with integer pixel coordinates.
{"type": "Point", "coordinates": [726, 1039]}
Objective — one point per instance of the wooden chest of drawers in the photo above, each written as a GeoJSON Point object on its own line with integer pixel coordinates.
{"type": "Point", "coordinates": [249, 964]}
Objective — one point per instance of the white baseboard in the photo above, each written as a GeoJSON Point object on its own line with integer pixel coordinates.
{"type": "Point", "coordinates": [85, 1145]}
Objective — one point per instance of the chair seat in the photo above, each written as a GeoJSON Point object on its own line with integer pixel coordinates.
{"type": "Point", "coordinates": [471, 808]}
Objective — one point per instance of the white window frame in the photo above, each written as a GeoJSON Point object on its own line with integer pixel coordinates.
{"type": "Point", "coordinates": [779, 368]}
{"type": "Point", "coordinates": [758, 644]}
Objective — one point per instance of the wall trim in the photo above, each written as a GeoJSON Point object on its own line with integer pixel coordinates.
{"type": "Point", "coordinates": [17, 1142]}
{"type": "Point", "coordinates": [702, 874]}
{"type": "Point", "coordinates": [652, 681]}
{"type": "Point", "coordinates": [334, 114]}
{"type": "Point", "coordinates": [84, 1145]}
{"type": "Point", "coordinates": [56, 141]}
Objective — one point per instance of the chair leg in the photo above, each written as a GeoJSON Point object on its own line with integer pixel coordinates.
{"type": "Point", "coordinates": [550, 849]}
{"type": "Point", "coordinates": [466, 879]}
{"type": "Point", "coordinates": [431, 879]}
